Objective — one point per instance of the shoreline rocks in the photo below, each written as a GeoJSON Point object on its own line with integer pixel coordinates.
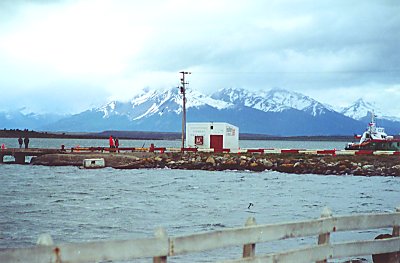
{"type": "Point", "coordinates": [286, 163]}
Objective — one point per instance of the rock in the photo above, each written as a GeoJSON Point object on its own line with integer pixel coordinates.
{"type": "Point", "coordinates": [254, 164]}
{"type": "Point", "coordinates": [357, 171]}
{"type": "Point", "coordinates": [368, 167]}
{"type": "Point", "coordinates": [396, 167]}
{"type": "Point", "coordinates": [268, 164]}
{"type": "Point", "coordinates": [211, 160]}
{"type": "Point", "coordinates": [229, 162]}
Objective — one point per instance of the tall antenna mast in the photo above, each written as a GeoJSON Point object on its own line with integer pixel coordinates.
{"type": "Point", "coordinates": [183, 92]}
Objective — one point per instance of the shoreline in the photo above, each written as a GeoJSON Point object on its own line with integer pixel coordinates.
{"type": "Point", "coordinates": [157, 136]}
{"type": "Point", "coordinates": [362, 165]}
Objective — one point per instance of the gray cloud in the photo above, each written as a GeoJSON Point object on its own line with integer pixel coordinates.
{"type": "Point", "coordinates": [121, 46]}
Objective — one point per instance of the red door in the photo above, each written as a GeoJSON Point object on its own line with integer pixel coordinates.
{"type": "Point", "coordinates": [216, 141]}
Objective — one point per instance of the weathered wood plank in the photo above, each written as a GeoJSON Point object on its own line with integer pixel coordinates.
{"type": "Point", "coordinates": [332, 251]}
{"type": "Point", "coordinates": [265, 233]}
{"type": "Point", "coordinates": [89, 252]}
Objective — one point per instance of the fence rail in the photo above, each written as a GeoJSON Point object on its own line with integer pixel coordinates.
{"type": "Point", "coordinates": [162, 246]}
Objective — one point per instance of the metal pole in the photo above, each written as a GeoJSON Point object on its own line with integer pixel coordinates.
{"type": "Point", "coordinates": [183, 92]}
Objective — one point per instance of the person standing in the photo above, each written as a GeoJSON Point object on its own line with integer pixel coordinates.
{"type": "Point", "coordinates": [26, 142]}
{"type": "Point", "coordinates": [116, 141]}
{"type": "Point", "coordinates": [20, 141]}
{"type": "Point", "coordinates": [111, 141]}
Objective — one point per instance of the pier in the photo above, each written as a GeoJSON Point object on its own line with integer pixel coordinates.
{"type": "Point", "coordinates": [298, 161]}
{"type": "Point", "coordinates": [20, 154]}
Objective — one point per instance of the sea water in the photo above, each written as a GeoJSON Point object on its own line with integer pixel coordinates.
{"type": "Point", "coordinates": [77, 205]}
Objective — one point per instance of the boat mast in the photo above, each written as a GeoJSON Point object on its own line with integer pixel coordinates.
{"type": "Point", "coordinates": [372, 123]}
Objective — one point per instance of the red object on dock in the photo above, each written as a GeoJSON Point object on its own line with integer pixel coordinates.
{"type": "Point", "coordinates": [290, 151]}
{"type": "Point", "coordinates": [364, 152]}
{"type": "Point", "coordinates": [221, 150]}
{"type": "Point", "coordinates": [327, 152]}
{"type": "Point", "coordinates": [156, 149]}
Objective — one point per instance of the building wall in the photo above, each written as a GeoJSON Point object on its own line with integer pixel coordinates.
{"type": "Point", "coordinates": [202, 131]}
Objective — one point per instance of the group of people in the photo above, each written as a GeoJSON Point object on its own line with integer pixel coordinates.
{"type": "Point", "coordinates": [25, 141]}
{"type": "Point", "coordinates": [114, 143]}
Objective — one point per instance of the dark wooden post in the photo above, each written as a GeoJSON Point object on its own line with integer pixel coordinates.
{"type": "Point", "coordinates": [19, 158]}
{"type": "Point", "coordinates": [249, 250]}
{"type": "Point", "coordinates": [325, 237]}
{"type": "Point", "coordinates": [396, 228]}
{"type": "Point", "coordinates": [160, 233]}
{"type": "Point", "coordinates": [396, 233]}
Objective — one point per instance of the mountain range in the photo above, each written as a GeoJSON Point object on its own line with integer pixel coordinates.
{"type": "Point", "coordinates": [275, 112]}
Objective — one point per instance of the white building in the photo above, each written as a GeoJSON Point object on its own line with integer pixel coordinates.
{"type": "Point", "coordinates": [217, 135]}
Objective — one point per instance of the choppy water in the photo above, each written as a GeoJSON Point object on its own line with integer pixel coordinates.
{"type": "Point", "coordinates": [76, 205]}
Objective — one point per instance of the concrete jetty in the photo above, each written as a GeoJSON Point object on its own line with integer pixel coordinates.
{"type": "Point", "coordinates": [326, 162]}
{"type": "Point", "coordinates": [20, 154]}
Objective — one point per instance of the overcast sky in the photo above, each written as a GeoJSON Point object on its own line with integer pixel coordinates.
{"type": "Point", "coordinates": [68, 56]}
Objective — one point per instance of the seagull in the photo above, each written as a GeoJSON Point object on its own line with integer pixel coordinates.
{"type": "Point", "coordinates": [250, 205]}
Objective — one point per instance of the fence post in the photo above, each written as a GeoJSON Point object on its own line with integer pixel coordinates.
{"type": "Point", "coordinates": [325, 237]}
{"type": "Point", "coordinates": [160, 233]}
{"type": "Point", "coordinates": [396, 228]}
{"type": "Point", "coordinates": [249, 250]}
{"type": "Point", "coordinates": [45, 240]}
{"type": "Point", "coordinates": [396, 233]}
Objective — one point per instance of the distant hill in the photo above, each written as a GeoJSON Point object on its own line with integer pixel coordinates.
{"type": "Point", "coordinates": [140, 135]}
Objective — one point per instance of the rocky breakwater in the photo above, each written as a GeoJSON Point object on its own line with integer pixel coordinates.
{"type": "Point", "coordinates": [367, 165]}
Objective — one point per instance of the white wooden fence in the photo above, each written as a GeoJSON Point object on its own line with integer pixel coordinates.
{"type": "Point", "coordinates": [162, 246]}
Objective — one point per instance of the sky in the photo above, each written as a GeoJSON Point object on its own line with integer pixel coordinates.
{"type": "Point", "coordinates": [67, 56]}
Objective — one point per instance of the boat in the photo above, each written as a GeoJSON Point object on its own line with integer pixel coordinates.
{"type": "Point", "coordinates": [374, 138]}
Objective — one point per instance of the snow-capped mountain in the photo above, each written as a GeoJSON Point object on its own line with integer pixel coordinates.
{"type": "Point", "coordinates": [274, 112]}
{"type": "Point", "coordinates": [361, 110]}
{"type": "Point", "coordinates": [277, 112]}
{"type": "Point", "coordinates": [149, 103]}
{"type": "Point", "coordinates": [275, 100]}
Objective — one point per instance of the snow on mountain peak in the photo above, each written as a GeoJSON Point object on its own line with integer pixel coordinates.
{"type": "Point", "coordinates": [295, 100]}
{"type": "Point", "coordinates": [108, 108]}
{"type": "Point", "coordinates": [196, 99]}
{"type": "Point", "coordinates": [274, 100]}
{"type": "Point", "coordinates": [360, 109]}
{"type": "Point", "coordinates": [150, 102]}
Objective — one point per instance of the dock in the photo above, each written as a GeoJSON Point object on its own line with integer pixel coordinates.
{"type": "Point", "coordinates": [21, 153]}
{"type": "Point", "coordinates": [297, 161]}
